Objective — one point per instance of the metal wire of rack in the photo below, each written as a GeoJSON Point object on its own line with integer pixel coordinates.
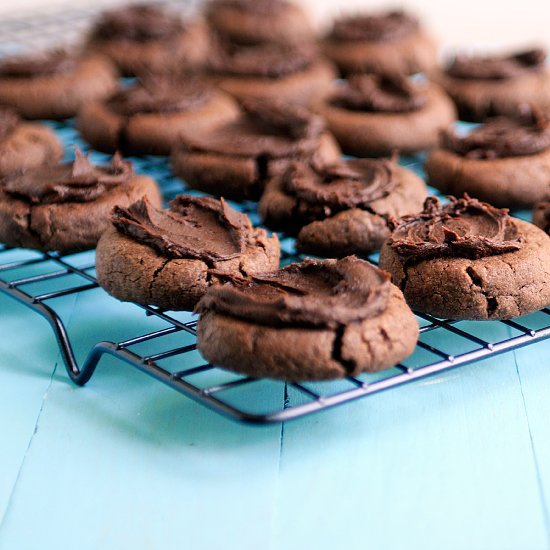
{"type": "Point", "coordinates": [443, 344]}
{"type": "Point", "coordinates": [50, 267]}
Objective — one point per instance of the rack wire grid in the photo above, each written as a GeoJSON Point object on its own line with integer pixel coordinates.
{"type": "Point", "coordinates": [163, 345]}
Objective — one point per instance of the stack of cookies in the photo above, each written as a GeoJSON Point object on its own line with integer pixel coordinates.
{"type": "Point", "coordinates": [248, 103]}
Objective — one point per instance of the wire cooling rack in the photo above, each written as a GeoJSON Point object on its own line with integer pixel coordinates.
{"type": "Point", "coordinates": [163, 344]}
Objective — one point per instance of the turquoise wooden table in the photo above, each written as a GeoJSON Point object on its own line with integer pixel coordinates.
{"type": "Point", "coordinates": [460, 460]}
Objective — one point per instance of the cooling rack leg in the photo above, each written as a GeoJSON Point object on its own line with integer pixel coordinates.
{"type": "Point", "coordinates": [77, 376]}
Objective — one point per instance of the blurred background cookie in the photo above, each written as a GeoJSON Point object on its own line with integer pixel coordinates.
{"type": "Point", "coordinates": [236, 159]}
{"type": "Point", "coordinates": [66, 207]}
{"type": "Point", "coordinates": [505, 161]}
{"type": "Point", "coordinates": [54, 84]}
{"type": "Point", "coordinates": [147, 37]}
{"type": "Point", "coordinates": [391, 41]}
{"type": "Point", "coordinates": [488, 85]}
{"type": "Point", "coordinates": [25, 145]}
{"type": "Point", "coordinates": [147, 117]}
{"type": "Point", "coordinates": [373, 115]}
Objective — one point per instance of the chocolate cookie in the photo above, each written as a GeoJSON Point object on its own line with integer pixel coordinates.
{"type": "Point", "coordinates": [469, 260]}
{"type": "Point", "coordinates": [169, 258]}
{"type": "Point", "coordinates": [148, 37]}
{"type": "Point", "coordinates": [66, 207]}
{"type": "Point", "coordinates": [23, 145]}
{"type": "Point", "coordinates": [315, 320]}
{"type": "Point", "coordinates": [486, 86]}
{"type": "Point", "coordinates": [505, 161]}
{"type": "Point", "coordinates": [391, 42]}
{"type": "Point", "coordinates": [54, 84]}
{"type": "Point", "coordinates": [373, 115]}
{"type": "Point", "coordinates": [288, 72]}
{"type": "Point", "coordinates": [341, 208]}
{"type": "Point", "coordinates": [541, 216]}
{"type": "Point", "coordinates": [246, 22]}
{"type": "Point", "coordinates": [236, 159]}
{"type": "Point", "coordinates": [146, 118]}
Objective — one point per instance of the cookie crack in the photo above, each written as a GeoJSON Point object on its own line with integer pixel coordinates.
{"type": "Point", "coordinates": [31, 229]}
{"type": "Point", "coordinates": [348, 365]}
{"type": "Point", "coordinates": [156, 273]}
{"type": "Point", "coordinates": [491, 302]}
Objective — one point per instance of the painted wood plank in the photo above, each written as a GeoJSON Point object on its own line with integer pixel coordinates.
{"type": "Point", "coordinates": [127, 463]}
{"type": "Point", "coordinates": [533, 368]}
{"type": "Point", "coordinates": [445, 463]}
{"type": "Point", "coordinates": [27, 361]}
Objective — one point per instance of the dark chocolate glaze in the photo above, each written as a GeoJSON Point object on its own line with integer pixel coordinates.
{"type": "Point", "coordinates": [269, 60]}
{"type": "Point", "coordinates": [139, 23]}
{"type": "Point", "coordinates": [198, 228]}
{"type": "Point", "coordinates": [501, 137]}
{"type": "Point", "coordinates": [78, 181]}
{"type": "Point", "coordinates": [319, 293]}
{"type": "Point", "coordinates": [497, 67]}
{"type": "Point", "coordinates": [159, 95]}
{"type": "Point", "coordinates": [266, 128]}
{"type": "Point", "coordinates": [379, 94]}
{"type": "Point", "coordinates": [393, 25]}
{"type": "Point", "coordinates": [46, 63]}
{"type": "Point", "coordinates": [352, 183]}
{"type": "Point", "coordinates": [464, 228]}
{"type": "Point", "coordinates": [8, 122]}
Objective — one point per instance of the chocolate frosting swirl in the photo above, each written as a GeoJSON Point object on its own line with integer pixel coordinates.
{"type": "Point", "coordinates": [465, 228]}
{"type": "Point", "coordinates": [45, 63]}
{"type": "Point", "coordinates": [502, 137]}
{"type": "Point", "coordinates": [8, 122]}
{"type": "Point", "coordinates": [269, 60]}
{"type": "Point", "coordinates": [266, 128]}
{"type": "Point", "coordinates": [159, 95]}
{"type": "Point", "coordinates": [393, 25]}
{"type": "Point", "coordinates": [379, 94]}
{"type": "Point", "coordinates": [198, 228]}
{"type": "Point", "coordinates": [315, 293]}
{"type": "Point", "coordinates": [78, 181]}
{"type": "Point", "coordinates": [139, 23]}
{"type": "Point", "coordinates": [352, 183]}
{"type": "Point", "coordinates": [497, 67]}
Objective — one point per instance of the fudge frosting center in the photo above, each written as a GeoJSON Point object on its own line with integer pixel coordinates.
{"type": "Point", "coordinates": [465, 228]}
{"type": "Point", "coordinates": [497, 67]}
{"type": "Point", "coordinates": [78, 181]}
{"type": "Point", "coordinates": [379, 93]}
{"type": "Point", "coordinates": [346, 184]}
{"type": "Point", "coordinates": [502, 137]}
{"type": "Point", "coordinates": [199, 228]}
{"type": "Point", "coordinates": [319, 293]}
{"type": "Point", "coordinates": [158, 97]}
{"type": "Point", "coordinates": [270, 60]}
{"type": "Point", "coordinates": [259, 7]}
{"type": "Point", "coordinates": [141, 23]}
{"type": "Point", "coordinates": [266, 128]}
{"type": "Point", "coordinates": [375, 28]}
